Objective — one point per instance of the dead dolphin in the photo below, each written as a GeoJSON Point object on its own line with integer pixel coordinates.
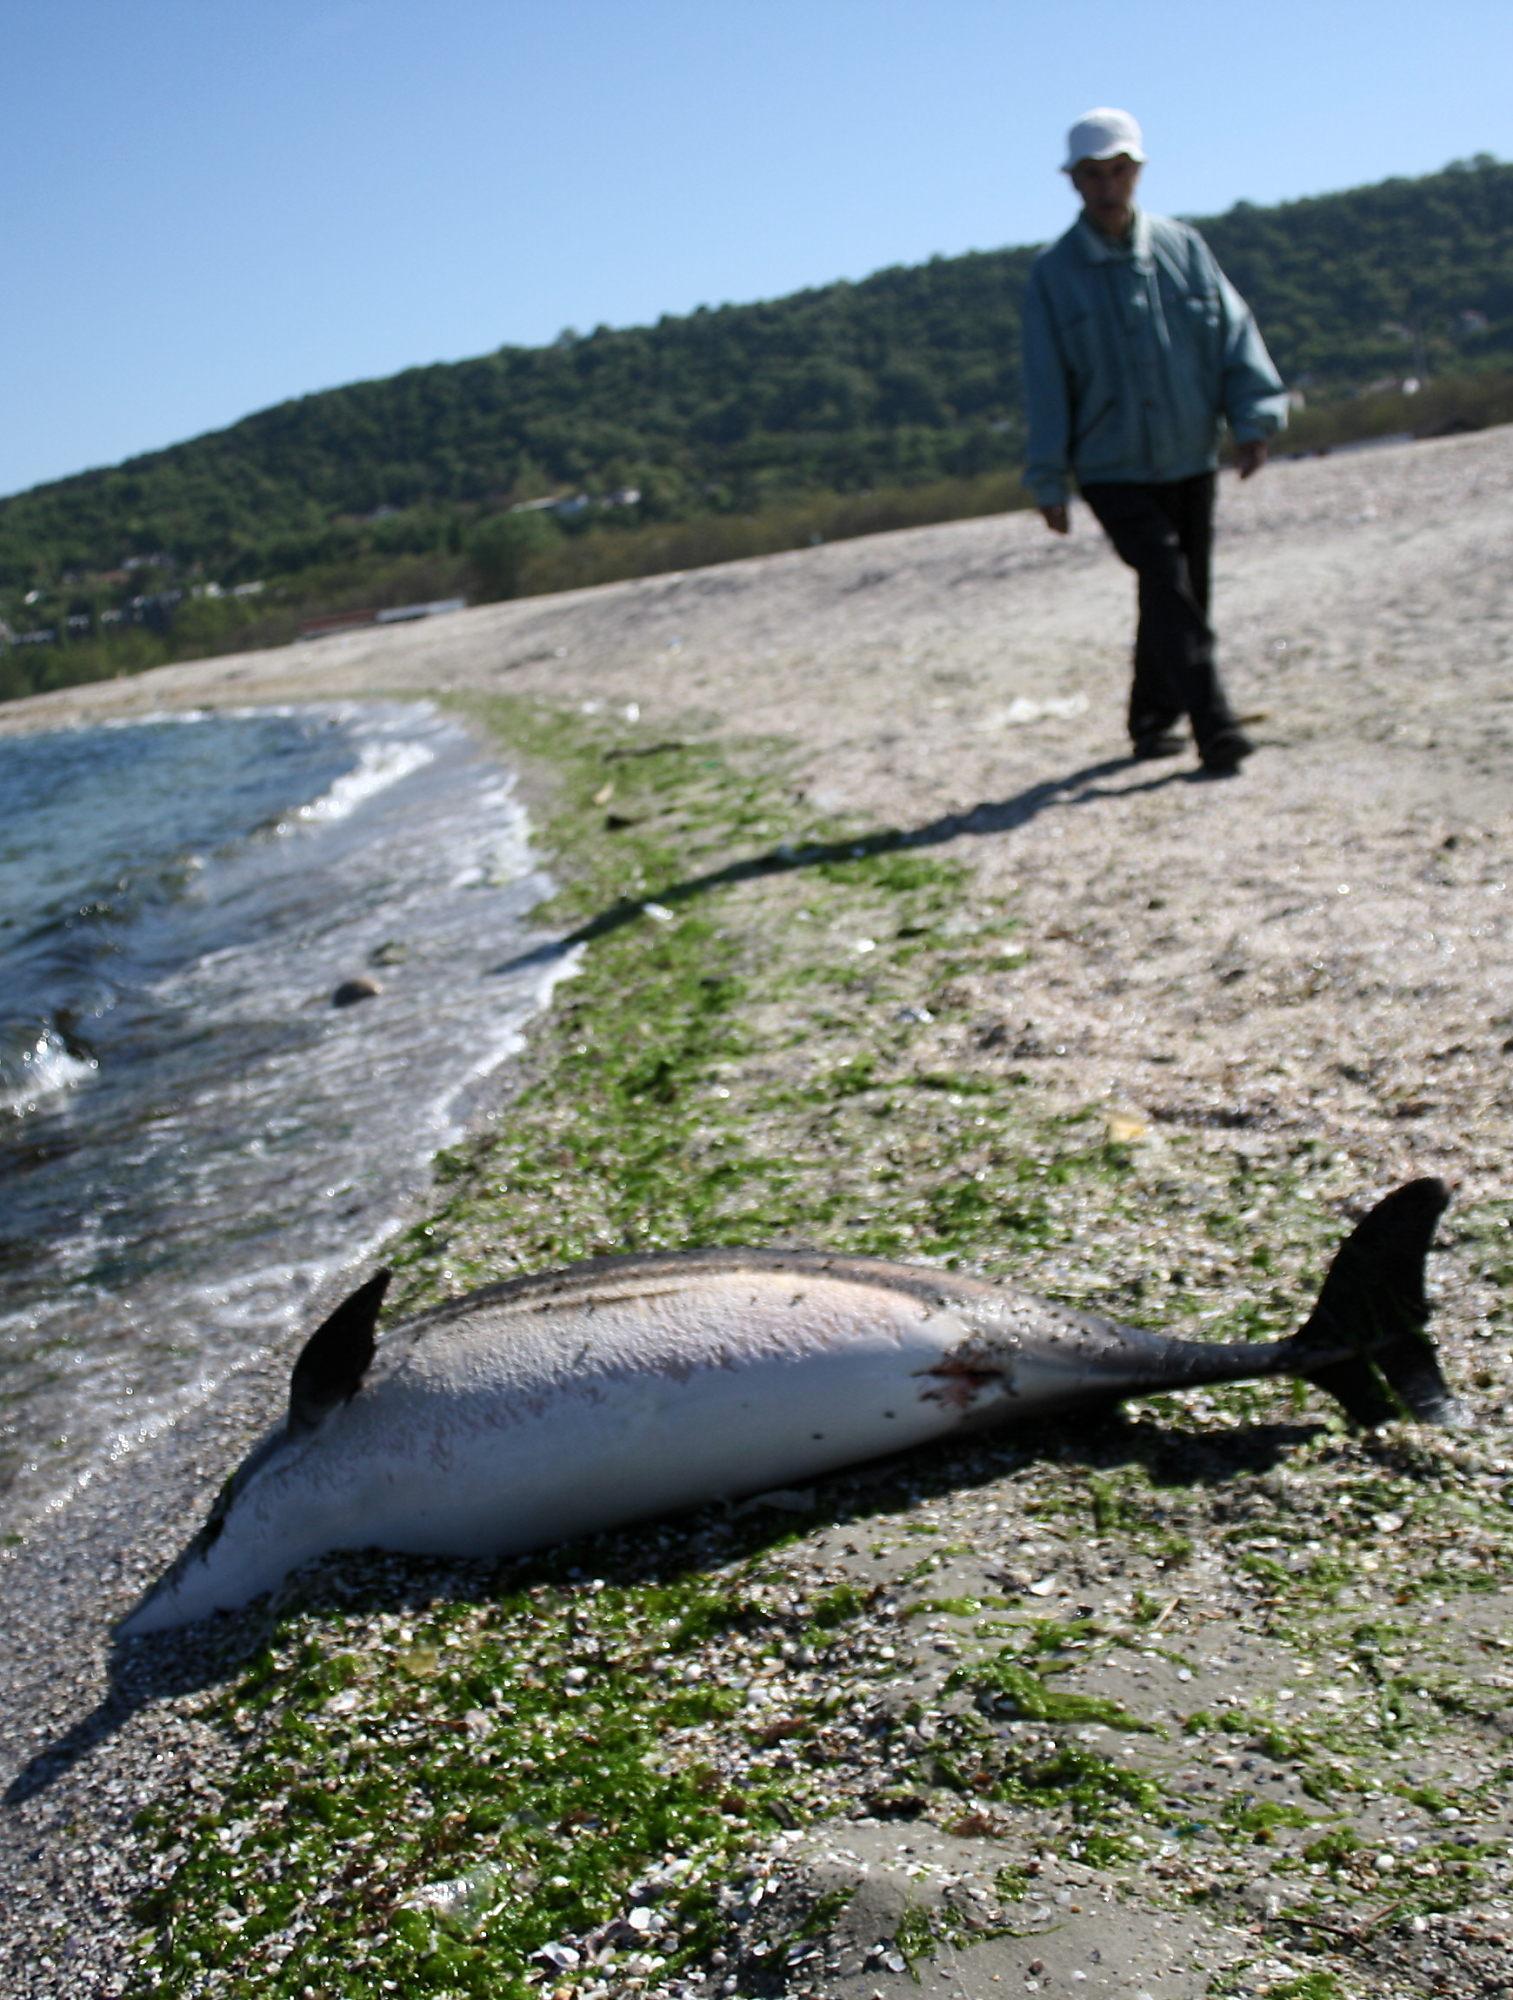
{"type": "Point", "coordinates": [546, 1407]}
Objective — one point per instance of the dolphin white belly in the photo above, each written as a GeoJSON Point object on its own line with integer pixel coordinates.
{"type": "Point", "coordinates": [547, 1407]}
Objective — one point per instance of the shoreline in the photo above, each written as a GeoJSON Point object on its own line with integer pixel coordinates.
{"type": "Point", "coordinates": [281, 905]}
{"type": "Point", "coordinates": [1181, 997]}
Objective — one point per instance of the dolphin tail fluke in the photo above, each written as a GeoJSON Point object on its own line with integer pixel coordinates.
{"type": "Point", "coordinates": [1369, 1330]}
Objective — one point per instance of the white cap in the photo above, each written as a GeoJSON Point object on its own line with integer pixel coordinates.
{"type": "Point", "coordinates": [1102, 135]}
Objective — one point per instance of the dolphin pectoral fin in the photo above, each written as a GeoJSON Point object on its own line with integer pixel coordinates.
{"type": "Point", "coordinates": [336, 1357]}
{"type": "Point", "coordinates": [1369, 1328]}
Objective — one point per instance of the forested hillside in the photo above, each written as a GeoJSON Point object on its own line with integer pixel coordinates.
{"type": "Point", "coordinates": [910, 376]}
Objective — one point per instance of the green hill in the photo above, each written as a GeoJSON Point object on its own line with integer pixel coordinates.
{"type": "Point", "coordinates": [382, 489]}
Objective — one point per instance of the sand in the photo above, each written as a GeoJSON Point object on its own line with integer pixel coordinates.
{"type": "Point", "coordinates": [977, 671]}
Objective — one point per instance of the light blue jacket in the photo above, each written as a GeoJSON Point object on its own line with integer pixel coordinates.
{"type": "Point", "coordinates": [1132, 354]}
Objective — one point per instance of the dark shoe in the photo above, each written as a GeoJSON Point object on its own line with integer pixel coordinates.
{"type": "Point", "coordinates": [1224, 753]}
{"type": "Point", "coordinates": [1158, 743]}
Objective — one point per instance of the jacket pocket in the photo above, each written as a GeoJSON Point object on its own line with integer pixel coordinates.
{"type": "Point", "coordinates": [1203, 327]}
{"type": "Point", "coordinates": [1087, 426]}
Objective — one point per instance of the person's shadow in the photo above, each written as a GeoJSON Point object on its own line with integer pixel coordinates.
{"type": "Point", "coordinates": [1077, 788]}
{"type": "Point", "coordinates": [160, 1666]}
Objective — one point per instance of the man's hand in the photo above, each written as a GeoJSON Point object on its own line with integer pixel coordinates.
{"type": "Point", "coordinates": [1057, 519]}
{"type": "Point", "coordinates": [1250, 456]}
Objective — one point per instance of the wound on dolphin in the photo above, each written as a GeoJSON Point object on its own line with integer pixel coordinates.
{"type": "Point", "coordinates": [548, 1407]}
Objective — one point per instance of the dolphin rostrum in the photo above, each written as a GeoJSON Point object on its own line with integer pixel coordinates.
{"type": "Point", "coordinates": [546, 1407]}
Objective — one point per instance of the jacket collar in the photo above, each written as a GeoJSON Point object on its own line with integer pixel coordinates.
{"type": "Point", "coordinates": [1096, 249]}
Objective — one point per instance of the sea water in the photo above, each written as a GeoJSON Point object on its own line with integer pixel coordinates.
{"type": "Point", "coordinates": [193, 1137]}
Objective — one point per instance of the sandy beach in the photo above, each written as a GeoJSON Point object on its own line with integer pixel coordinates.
{"type": "Point", "coordinates": [1299, 977]}
{"type": "Point", "coordinates": [974, 674]}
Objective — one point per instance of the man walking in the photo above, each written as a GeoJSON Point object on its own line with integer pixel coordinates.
{"type": "Point", "coordinates": [1135, 345]}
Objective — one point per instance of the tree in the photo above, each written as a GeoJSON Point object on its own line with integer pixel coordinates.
{"type": "Point", "coordinates": [500, 548]}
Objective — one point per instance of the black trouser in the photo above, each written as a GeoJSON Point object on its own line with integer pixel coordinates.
{"type": "Point", "coordinates": [1165, 533]}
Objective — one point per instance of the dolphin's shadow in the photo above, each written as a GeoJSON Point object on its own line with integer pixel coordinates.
{"type": "Point", "coordinates": [160, 1666]}
{"type": "Point", "coordinates": [1080, 787]}
{"type": "Point", "coordinates": [141, 1673]}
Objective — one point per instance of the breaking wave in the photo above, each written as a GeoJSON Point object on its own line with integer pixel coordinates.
{"type": "Point", "coordinates": [36, 1063]}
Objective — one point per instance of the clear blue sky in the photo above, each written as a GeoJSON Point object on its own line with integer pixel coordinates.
{"type": "Point", "coordinates": [212, 206]}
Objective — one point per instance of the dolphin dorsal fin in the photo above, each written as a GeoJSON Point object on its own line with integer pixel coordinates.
{"type": "Point", "coordinates": [336, 1357]}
